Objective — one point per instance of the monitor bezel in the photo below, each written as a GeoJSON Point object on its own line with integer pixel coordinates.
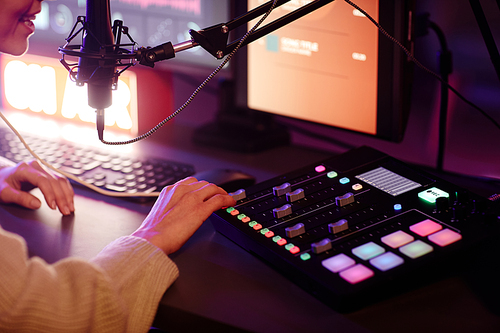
{"type": "Point", "coordinates": [394, 87]}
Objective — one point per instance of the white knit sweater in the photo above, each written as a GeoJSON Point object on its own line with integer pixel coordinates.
{"type": "Point", "coordinates": [117, 291]}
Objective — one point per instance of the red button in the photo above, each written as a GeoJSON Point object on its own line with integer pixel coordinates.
{"type": "Point", "coordinates": [269, 234]}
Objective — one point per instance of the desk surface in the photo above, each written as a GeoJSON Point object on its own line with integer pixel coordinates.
{"type": "Point", "coordinates": [222, 287]}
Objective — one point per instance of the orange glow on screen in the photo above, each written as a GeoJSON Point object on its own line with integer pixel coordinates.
{"type": "Point", "coordinates": [321, 68]}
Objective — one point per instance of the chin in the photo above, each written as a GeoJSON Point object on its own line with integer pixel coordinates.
{"type": "Point", "coordinates": [17, 49]}
{"type": "Point", "coordinates": [16, 54]}
{"type": "Point", "coordinates": [20, 51]}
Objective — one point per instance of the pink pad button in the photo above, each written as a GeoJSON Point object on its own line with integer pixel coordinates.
{"type": "Point", "coordinates": [426, 227]}
{"type": "Point", "coordinates": [445, 237]}
{"type": "Point", "coordinates": [356, 274]}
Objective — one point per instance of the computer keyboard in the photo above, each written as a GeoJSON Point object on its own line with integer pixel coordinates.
{"type": "Point", "coordinates": [117, 172]}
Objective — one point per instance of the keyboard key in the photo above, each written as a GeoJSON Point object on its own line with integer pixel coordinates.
{"type": "Point", "coordinates": [116, 188]}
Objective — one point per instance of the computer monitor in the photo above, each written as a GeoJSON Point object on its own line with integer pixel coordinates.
{"type": "Point", "coordinates": [332, 67]}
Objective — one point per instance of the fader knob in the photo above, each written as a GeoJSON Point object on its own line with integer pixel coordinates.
{"type": "Point", "coordinates": [345, 199]}
{"type": "Point", "coordinates": [295, 195]}
{"type": "Point", "coordinates": [282, 211]}
{"type": "Point", "coordinates": [442, 204]}
{"type": "Point", "coordinates": [238, 195]}
{"type": "Point", "coordinates": [321, 246]}
{"type": "Point", "coordinates": [282, 189]}
{"type": "Point", "coordinates": [295, 230]}
{"type": "Point", "coordinates": [338, 226]}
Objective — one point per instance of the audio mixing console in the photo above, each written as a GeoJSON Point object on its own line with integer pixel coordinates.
{"type": "Point", "coordinates": [358, 226]}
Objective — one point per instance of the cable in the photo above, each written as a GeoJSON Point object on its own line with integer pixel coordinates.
{"type": "Point", "coordinates": [445, 68]}
{"type": "Point", "coordinates": [422, 25]}
{"type": "Point", "coordinates": [200, 87]}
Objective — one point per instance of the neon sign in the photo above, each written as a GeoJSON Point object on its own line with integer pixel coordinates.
{"type": "Point", "coordinates": [41, 85]}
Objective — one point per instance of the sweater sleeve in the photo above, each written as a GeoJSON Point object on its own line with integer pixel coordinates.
{"type": "Point", "coordinates": [117, 291]}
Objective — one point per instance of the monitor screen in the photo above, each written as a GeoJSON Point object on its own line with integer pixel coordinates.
{"type": "Point", "coordinates": [332, 67]}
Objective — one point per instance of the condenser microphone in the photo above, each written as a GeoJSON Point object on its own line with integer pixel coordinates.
{"type": "Point", "coordinates": [102, 57]}
{"type": "Point", "coordinates": [98, 70]}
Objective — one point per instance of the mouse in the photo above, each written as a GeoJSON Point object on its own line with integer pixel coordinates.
{"type": "Point", "coordinates": [229, 179]}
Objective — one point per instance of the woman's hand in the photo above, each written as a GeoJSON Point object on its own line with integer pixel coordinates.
{"type": "Point", "coordinates": [16, 181]}
{"type": "Point", "coordinates": [179, 211]}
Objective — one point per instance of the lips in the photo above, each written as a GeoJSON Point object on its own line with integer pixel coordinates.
{"type": "Point", "coordinates": [28, 22]}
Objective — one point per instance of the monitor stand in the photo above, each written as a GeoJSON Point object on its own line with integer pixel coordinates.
{"type": "Point", "coordinates": [240, 129]}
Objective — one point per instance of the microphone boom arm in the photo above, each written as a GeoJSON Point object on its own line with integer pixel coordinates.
{"type": "Point", "coordinates": [214, 39]}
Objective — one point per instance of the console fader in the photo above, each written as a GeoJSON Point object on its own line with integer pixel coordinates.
{"type": "Point", "coordinates": [357, 226]}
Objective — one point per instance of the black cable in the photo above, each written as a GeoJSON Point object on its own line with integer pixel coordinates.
{"type": "Point", "coordinates": [445, 69]}
{"type": "Point", "coordinates": [484, 28]}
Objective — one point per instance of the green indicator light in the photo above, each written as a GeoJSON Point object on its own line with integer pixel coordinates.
{"type": "Point", "coordinates": [276, 238]}
{"type": "Point", "coordinates": [305, 256]}
{"type": "Point", "coordinates": [432, 194]}
{"type": "Point", "coordinates": [332, 174]}
{"type": "Point", "coordinates": [251, 224]}
{"type": "Point", "coordinates": [264, 231]}
{"type": "Point", "coordinates": [241, 216]}
{"type": "Point", "coordinates": [229, 209]}
{"type": "Point", "coordinates": [289, 246]}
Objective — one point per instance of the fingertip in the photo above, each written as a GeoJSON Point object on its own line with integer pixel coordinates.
{"type": "Point", "coordinates": [65, 210]}
{"type": "Point", "coordinates": [35, 203]}
{"type": "Point", "coordinates": [221, 201]}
